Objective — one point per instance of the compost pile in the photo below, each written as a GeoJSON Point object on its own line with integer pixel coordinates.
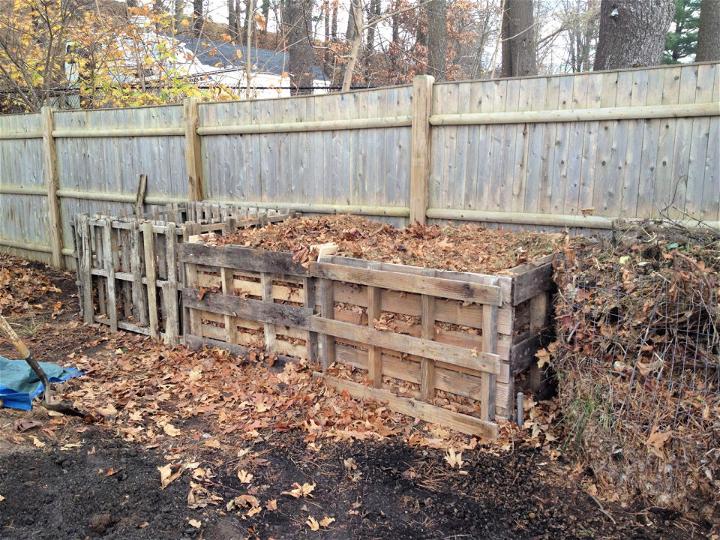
{"type": "Point", "coordinates": [638, 362]}
{"type": "Point", "coordinates": [464, 248]}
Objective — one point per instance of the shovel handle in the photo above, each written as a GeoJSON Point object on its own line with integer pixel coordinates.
{"type": "Point", "coordinates": [14, 339]}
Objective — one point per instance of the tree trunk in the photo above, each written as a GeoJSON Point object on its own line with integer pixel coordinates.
{"type": "Point", "coordinates": [373, 11]}
{"type": "Point", "coordinates": [296, 16]}
{"type": "Point", "coordinates": [709, 32]}
{"type": "Point", "coordinates": [249, 20]}
{"type": "Point", "coordinates": [326, 20]}
{"type": "Point", "coordinates": [197, 19]}
{"type": "Point", "coordinates": [265, 10]}
{"type": "Point", "coordinates": [356, 18]}
{"type": "Point", "coordinates": [333, 22]}
{"type": "Point", "coordinates": [132, 3]}
{"type": "Point", "coordinates": [437, 38]}
{"type": "Point", "coordinates": [232, 19]}
{"type": "Point", "coordinates": [518, 39]}
{"type": "Point", "coordinates": [350, 31]}
{"type": "Point", "coordinates": [179, 9]}
{"type": "Point", "coordinates": [632, 32]}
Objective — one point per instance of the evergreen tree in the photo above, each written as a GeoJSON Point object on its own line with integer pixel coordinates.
{"type": "Point", "coordinates": [682, 41]}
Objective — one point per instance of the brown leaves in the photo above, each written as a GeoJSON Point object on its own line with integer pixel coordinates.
{"type": "Point", "coordinates": [657, 441]}
{"type": "Point", "coordinates": [462, 248]}
{"type": "Point", "coordinates": [299, 491]}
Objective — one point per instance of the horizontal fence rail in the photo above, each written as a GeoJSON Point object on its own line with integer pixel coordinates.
{"type": "Point", "coordinates": [578, 151]}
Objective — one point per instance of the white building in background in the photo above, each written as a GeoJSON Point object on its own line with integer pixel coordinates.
{"type": "Point", "coordinates": [207, 63]}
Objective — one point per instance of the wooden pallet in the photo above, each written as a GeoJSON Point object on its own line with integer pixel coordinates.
{"type": "Point", "coordinates": [453, 333]}
{"type": "Point", "coordinates": [128, 272]}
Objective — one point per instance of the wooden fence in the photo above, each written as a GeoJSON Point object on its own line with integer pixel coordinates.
{"type": "Point", "coordinates": [436, 332]}
{"type": "Point", "coordinates": [572, 150]}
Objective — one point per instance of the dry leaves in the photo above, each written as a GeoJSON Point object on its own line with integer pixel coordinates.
{"type": "Point", "coordinates": [315, 525]}
{"type": "Point", "coordinates": [244, 476]}
{"type": "Point", "coordinates": [298, 490]}
{"type": "Point", "coordinates": [466, 248]}
{"type": "Point", "coordinates": [454, 459]}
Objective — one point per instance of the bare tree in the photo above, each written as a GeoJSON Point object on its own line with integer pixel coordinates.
{"type": "Point", "coordinates": [632, 32]}
{"type": "Point", "coordinates": [197, 17]}
{"type": "Point", "coordinates": [296, 20]}
{"type": "Point", "coordinates": [179, 13]}
{"type": "Point", "coordinates": [232, 19]}
{"type": "Point", "coordinates": [356, 16]}
{"type": "Point", "coordinates": [579, 20]}
{"type": "Point", "coordinates": [352, 24]}
{"type": "Point", "coordinates": [437, 37]}
{"type": "Point", "coordinates": [373, 11]}
{"type": "Point", "coordinates": [518, 39]}
{"type": "Point", "coordinates": [709, 32]}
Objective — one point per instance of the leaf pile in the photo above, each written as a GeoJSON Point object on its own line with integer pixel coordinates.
{"type": "Point", "coordinates": [151, 394]}
{"type": "Point", "coordinates": [638, 360]}
{"type": "Point", "coordinates": [464, 248]}
{"type": "Point", "coordinates": [23, 287]}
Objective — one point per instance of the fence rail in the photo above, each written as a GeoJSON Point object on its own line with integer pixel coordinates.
{"type": "Point", "coordinates": [578, 151]}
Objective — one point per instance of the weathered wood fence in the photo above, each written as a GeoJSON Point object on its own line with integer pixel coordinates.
{"type": "Point", "coordinates": [573, 150]}
{"type": "Point", "coordinates": [129, 276]}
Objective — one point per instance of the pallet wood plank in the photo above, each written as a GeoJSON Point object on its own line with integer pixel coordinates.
{"type": "Point", "coordinates": [467, 358]}
{"type": "Point", "coordinates": [446, 288]}
{"type": "Point", "coordinates": [309, 302]}
{"type": "Point", "coordinates": [489, 380]}
{"type": "Point", "coordinates": [327, 311]}
{"type": "Point", "coordinates": [424, 411]}
{"type": "Point", "coordinates": [427, 367]}
{"type": "Point", "coordinates": [170, 289]}
{"type": "Point", "coordinates": [86, 268]}
{"type": "Point", "coordinates": [375, 370]}
{"type": "Point", "coordinates": [151, 275]}
{"type": "Point", "coordinates": [269, 329]}
{"type": "Point", "coordinates": [138, 293]}
{"type": "Point", "coordinates": [240, 258]}
{"type": "Point", "coordinates": [246, 308]}
{"type": "Point", "coordinates": [109, 266]}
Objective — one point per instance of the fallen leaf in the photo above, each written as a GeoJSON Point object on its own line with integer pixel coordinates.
{"type": "Point", "coordinates": [656, 442]}
{"type": "Point", "coordinates": [350, 464]}
{"type": "Point", "coordinates": [37, 442]}
{"type": "Point", "coordinates": [300, 491]}
{"type": "Point", "coordinates": [271, 505]}
{"type": "Point", "coordinates": [2, 498]}
{"type": "Point", "coordinates": [244, 476]}
{"type": "Point", "coordinates": [171, 430]}
{"type": "Point", "coordinates": [195, 523]}
{"type": "Point", "coordinates": [243, 501]}
{"type": "Point", "coordinates": [454, 459]}
{"type": "Point", "coordinates": [313, 524]}
{"type": "Point", "coordinates": [326, 521]}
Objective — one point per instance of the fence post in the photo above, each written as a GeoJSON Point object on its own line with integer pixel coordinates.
{"type": "Point", "coordinates": [51, 181]}
{"type": "Point", "coordinates": [193, 157]}
{"type": "Point", "coordinates": [420, 153]}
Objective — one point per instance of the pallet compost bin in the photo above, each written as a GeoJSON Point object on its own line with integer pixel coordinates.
{"type": "Point", "coordinates": [456, 334]}
{"type": "Point", "coordinates": [127, 267]}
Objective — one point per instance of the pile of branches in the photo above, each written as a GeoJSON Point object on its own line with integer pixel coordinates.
{"type": "Point", "coordinates": [638, 362]}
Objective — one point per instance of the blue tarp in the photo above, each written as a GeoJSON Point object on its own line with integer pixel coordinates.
{"type": "Point", "coordinates": [19, 385]}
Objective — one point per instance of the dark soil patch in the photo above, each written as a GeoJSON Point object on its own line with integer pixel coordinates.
{"type": "Point", "coordinates": [68, 494]}
{"type": "Point", "coordinates": [391, 490]}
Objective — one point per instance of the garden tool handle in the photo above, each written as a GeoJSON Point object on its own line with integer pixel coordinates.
{"type": "Point", "coordinates": [14, 339]}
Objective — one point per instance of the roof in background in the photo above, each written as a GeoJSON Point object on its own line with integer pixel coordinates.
{"type": "Point", "coordinates": [264, 60]}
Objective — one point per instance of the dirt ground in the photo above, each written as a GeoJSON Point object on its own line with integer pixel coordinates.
{"type": "Point", "coordinates": [250, 450]}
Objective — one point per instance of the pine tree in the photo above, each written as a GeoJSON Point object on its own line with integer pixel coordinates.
{"type": "Point", "coordinates": [682, 41]}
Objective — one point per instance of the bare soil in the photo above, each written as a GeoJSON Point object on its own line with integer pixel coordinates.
{"type": "Point", "coordinates": [98, 477]}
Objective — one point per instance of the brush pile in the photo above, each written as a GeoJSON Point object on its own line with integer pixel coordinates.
{"type": "Point", "coordinates": [638, 361]}
{"type": "Point", "coordinates": [464, 248]}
